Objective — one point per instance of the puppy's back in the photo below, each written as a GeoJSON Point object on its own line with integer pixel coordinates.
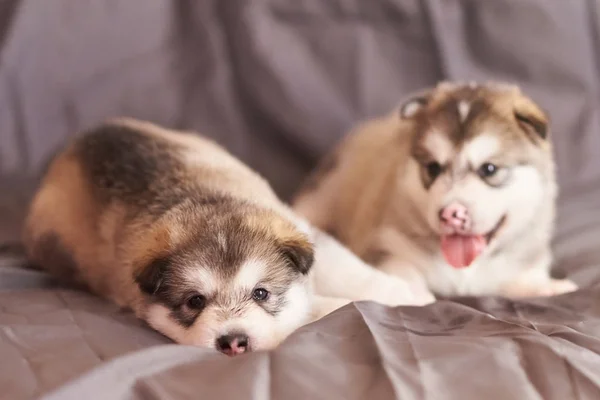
{"type": "Point", "coordinates": [348, 193]}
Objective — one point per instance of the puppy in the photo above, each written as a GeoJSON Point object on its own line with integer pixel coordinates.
{"type": "Point", "coordinates": [454, 191]}
{"type": "Point", "coordinates": [171, 226]}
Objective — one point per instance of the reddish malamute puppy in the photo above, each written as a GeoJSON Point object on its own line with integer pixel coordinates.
{"type": "Point", "coordinates": [455, 191]}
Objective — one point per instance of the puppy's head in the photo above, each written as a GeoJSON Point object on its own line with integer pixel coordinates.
{"type": "Point", "coordinates": [481, 163]}
{"type": "Point", "coordinates": [227, 276]}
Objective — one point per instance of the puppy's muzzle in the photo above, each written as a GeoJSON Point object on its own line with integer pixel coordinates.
{"type": "Point", "coordinates": [233, 344]}
{"type": "Point", "coordinates": [455, 218]}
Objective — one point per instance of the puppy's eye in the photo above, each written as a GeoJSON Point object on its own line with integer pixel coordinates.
{"type": "Point", "coordinates": [487, 170]}
{"type": "Point", "coordinates": [260, 294]}
{"type": "Point", "coordinates": [433, 169]}
{"type": "Point", "coordinates": [197, 302]}
{"type": "Point", "coordinates": [494, 175]}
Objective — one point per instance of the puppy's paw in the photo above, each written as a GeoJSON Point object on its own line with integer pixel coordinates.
{"type": "Point", "coordinates": [423, 296]}
{"type": "Point", "coordinates": [393, 291]}
{"type": "Point", "coordinates": [558, 286]}
{"type": "Point", "coordinates": [550, 287]}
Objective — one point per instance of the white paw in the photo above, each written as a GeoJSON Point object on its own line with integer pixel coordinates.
{"type": "Point", "coordinates": [558, 286]}
{"type": "Point", "coordinates": [393, 291]}
{"type": "Point", "coordinates": [551, 287]}
{"type": "Point", "coordinates": [423, 297]}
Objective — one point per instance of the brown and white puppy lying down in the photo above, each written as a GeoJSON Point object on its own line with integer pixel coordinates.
{"type": "Point", "coordinates": [173, 227]}
{"type": "Point", "coordinates": [454, 191]}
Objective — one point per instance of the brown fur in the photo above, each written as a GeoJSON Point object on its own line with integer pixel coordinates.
{"type": "Point", "coordinates": [518, 121]}
{"type": "Point", "coordinates": [361, 182]}
{"type": "Point", "coordinates": [120, 206]}
{"type": "Point", "coordinates": [355, 200]}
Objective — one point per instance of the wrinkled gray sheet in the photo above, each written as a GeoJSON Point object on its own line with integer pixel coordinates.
{"type": "Point", "coordinates": [279, 82]}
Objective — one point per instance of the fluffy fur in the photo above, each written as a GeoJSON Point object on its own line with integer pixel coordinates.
{"type": "Point", "coordinates": [463, 163]}
{"type": "Point", "coordinates": [173, 227]}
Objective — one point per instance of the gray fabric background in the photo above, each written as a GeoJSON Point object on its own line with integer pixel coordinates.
{"type": "Point", "coordinates": [278, 83]}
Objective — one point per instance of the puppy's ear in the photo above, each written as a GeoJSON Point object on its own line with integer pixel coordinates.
{"type": "Point", "coordinates": [299, 253]}
{"type": "Point", "coordinates": [534, 124]}
{"type": "Point", "coordinates": [413, 104]}
{"type": "Point", "coordinates": [531, 118]}
{"type": "Point", "coordinates": [150, 254]}
{"type": "Point", "coordinates": [151, 277]}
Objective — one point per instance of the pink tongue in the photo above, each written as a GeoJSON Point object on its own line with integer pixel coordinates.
{"type": "Point", "coordinates": [460, 251]}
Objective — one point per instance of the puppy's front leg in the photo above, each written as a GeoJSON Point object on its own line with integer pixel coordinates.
{"type": "Point", "coordinates": [536, 282]}
{"type": "Point", "coordinates": [338, 272]}
{"type": "Point", "coordinates": [410, 274]}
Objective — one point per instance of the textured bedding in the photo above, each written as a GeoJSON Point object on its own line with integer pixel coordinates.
{"type": "Point", "coordinates": [278, 83]}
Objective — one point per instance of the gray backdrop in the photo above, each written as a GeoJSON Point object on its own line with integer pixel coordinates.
{"type": "Point", "coordinates": [278, 83]}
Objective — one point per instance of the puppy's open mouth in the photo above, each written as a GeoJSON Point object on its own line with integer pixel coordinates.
{"type": "Point", "coordinates": [461, 250]}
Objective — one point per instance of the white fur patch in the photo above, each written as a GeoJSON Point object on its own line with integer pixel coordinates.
{"type": "Point", "coordinates": [222, 240]}
{"type": "Point", "coordinates": [298, 308]}
{"type": "Point", "coordinates": [204, 279]}
{"type": "Point", "coordinates": [481, 149]}
{"type": "Point", "coordinates": [439, 146]}
{"type": "Point", "coordinates": [303, 225]}
{"type": "Point", "coordinates": [249, 274]}
{"type": "Point", "coordinates": [158, 317]}
{"type": "Point", "coordinates": [463, 110]}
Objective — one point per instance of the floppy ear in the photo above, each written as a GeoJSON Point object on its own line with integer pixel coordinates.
{"type": "Point", "coordinates": [534, 124]}
{"type": "Point", "coordinates": [150, 254]}
{"type": "Point", "coordinates": [415, 103]}
{"type": "Point", "coordinates": [531, 118]}
{"type": "Point", "coordinates": [150, 278]}
{"type": "Point", "coordinates": [300, 254]}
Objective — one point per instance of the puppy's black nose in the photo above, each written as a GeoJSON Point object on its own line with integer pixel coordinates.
{"type": "Point", "coordinates": [233, 344]}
